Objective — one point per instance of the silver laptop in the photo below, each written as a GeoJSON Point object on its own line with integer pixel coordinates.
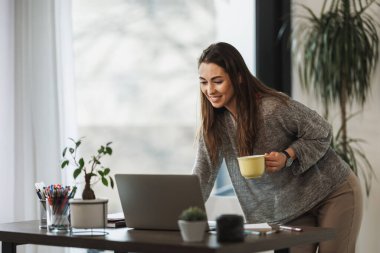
{"type": "Point", "coordinates": [156, 201]}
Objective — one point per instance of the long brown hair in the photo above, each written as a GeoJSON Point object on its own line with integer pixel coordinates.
{"type": "Point", "coordinates": [247, 90]}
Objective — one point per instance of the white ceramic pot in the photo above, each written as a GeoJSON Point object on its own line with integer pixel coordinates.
{"type": "Point", "coordinates": [88, 213]}
{"type": "Point", "coordinates": [192, 231]}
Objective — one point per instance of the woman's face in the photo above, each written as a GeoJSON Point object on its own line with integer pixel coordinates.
{"type": "Point", "coordinates": [217, 86]}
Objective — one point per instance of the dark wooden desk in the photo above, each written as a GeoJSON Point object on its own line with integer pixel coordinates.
{"type": "Point", "coordinates": [124, 240]}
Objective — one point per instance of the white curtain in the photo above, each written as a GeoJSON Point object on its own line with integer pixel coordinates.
{"type": "Point", "coordinates": [7, 158]}
{"type": "Point", "coordinates": [37, 102]}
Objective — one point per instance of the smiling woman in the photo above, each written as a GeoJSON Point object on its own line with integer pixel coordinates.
{"type": "Point", "coordinates": [216, 86]}
{"type": "Point", "coordinates": [304, 183]}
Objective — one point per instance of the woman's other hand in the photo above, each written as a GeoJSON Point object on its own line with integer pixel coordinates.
{"type": "Point", "coordinates": [274, 161]}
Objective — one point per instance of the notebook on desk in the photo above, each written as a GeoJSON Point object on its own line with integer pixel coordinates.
{"type": "Point", "coordinates": [156, 201]}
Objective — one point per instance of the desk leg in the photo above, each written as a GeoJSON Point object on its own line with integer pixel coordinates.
{"type": "Point", "coordinates": [282, 251]}
{"type": "Point", "coordinates": [8, 247]}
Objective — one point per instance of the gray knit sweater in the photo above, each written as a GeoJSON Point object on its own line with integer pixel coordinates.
{"type": "Point", "coordinates": [284, 195]}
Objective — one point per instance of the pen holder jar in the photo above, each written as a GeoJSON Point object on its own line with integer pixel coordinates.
{"type": "Point", "coordinates": [58, 211]}
{"type": "Point", "coordinates": [43, 214]}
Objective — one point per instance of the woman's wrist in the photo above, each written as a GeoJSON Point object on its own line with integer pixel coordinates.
{"type": "Point", "coordinates": [289, 156]}
{"type": "Point", "coordinates": [291, 153]}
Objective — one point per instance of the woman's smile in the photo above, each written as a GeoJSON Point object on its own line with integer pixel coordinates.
{"type": "Point", "coordinates": [214, 99]}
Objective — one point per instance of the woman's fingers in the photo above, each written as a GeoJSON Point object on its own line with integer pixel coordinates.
{"type": "Point", "coordinates": [274, 161]}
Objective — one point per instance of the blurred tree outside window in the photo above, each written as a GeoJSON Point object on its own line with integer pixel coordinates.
{"type": "Point", "coordinates": [137, 79]}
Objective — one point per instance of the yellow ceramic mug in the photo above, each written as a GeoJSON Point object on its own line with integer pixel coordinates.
{"type": "Point", "coordinates": [252, 166]}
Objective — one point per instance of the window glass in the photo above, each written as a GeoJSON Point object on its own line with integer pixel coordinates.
{"type": "Point", "coordinates": [137, 79]}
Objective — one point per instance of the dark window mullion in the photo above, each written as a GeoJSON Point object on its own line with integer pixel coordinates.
{"type": "Point", "coordinates": [273, 58]}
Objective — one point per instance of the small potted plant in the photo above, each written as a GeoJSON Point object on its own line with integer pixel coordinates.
{"type": "Point", "coordinates": [192, 223]}
{"type": "Point", "coordinates": [88, 212]}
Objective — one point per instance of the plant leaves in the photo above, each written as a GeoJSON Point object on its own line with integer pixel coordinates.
{"type": "Point", "coordinates": [337, 53]}
{"type": "Point", "coordinates": [93, 162]}
{"type": "Point", "coordinates": [96, 160]}
{"type": "Point", "coordinates": [81, 163]}
{"type": "Point", "coordinates": [356, 159]}
{"type": "Point", "coordinates": [77, 172]}
{"type": "Point", "coordinates": [105, 181]}
{"type": "Point", "coordinates": [335, 49]}
{"type": "Point", "coordinates": [64, 164]}
{"type": "Point", "coordinates": [64, 152]}
{"type": "Point", "coordinates": [111, 181]}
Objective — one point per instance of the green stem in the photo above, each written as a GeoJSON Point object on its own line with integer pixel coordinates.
{"type": "Point", "coordinates": [343, 101]}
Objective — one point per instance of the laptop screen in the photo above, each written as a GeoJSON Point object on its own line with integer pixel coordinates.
{"type": "Point", "coordinates": [156, 201]}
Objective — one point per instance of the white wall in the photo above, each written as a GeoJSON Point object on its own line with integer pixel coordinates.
{"type": "Point", "coordinates": [240, 32]}
{"type": "Point", "coordinates": [365, 126]}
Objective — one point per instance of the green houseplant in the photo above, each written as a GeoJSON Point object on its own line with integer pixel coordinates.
{"type": "Point", "coordinates": [336, 53]}
{"type": "Point", "coordinates": [88, 212]}
{"type": "Point", "coordinates": [193, 214]}
{"type": "Point", "coordinates": [192, 223]}
{"type": "Point", "coordinates": [92, 170]}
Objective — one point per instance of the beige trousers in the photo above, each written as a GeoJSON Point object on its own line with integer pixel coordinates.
{"type": "Point", "coordinates": [341, 210]}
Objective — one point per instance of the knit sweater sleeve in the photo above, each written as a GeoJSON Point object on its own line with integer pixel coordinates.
{"type": "Point", "coordinates": [205, 169]}
{"type": "Point", "coordinates": [312, 135]}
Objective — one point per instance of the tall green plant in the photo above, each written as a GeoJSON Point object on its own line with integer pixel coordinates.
{"type": "Point", "coordinates": [337, 53]}
{"type": "Point", "coordinates": [354, 156]}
